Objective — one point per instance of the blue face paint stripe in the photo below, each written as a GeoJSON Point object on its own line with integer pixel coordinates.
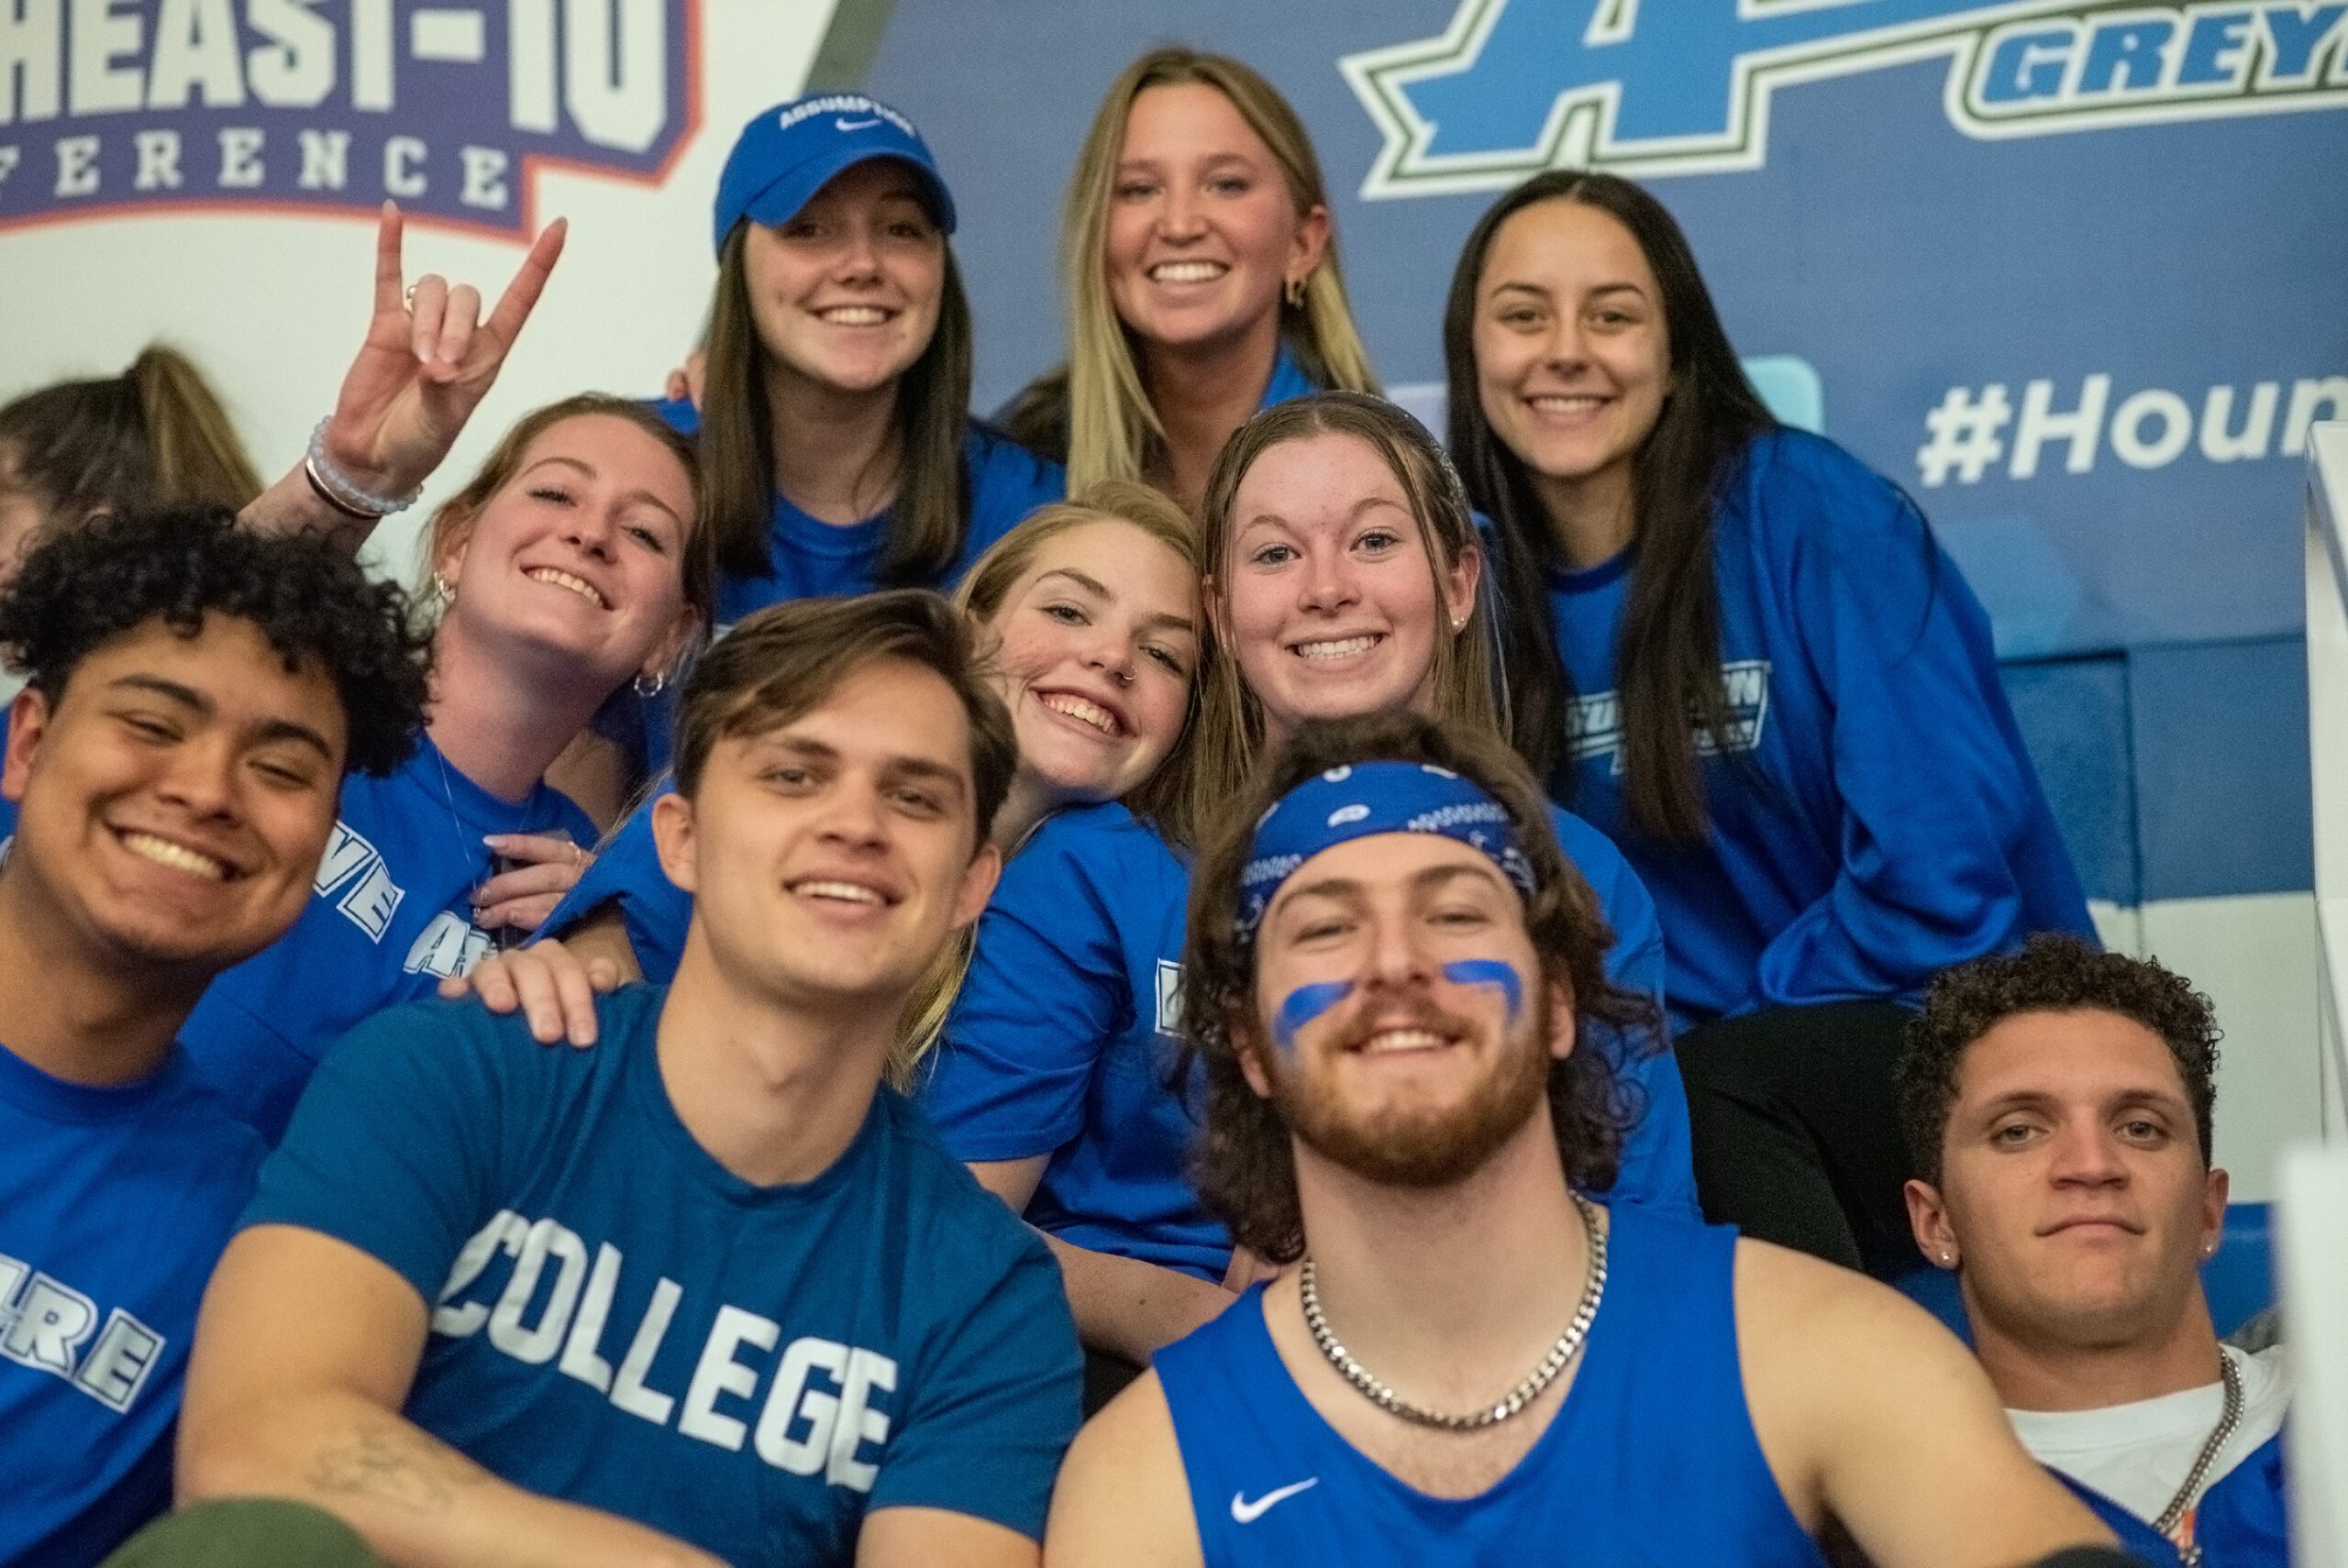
{"type": "Point", "coordinates": [1304, 1005]}
{"type": "Point", "coordinates": [1490, 972]}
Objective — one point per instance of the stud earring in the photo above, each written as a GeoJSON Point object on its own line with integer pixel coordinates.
{"type": "Point", "coordinates": [1295, 292]}
{"type": "Point", "coordinates": [443, 590]}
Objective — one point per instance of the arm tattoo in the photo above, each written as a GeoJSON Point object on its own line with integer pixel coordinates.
{"type": "Point", "coordinates": [392, 1466]}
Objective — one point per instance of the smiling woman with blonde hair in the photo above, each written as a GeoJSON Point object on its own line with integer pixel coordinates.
{"type": "Point", "coordinates": [1202, 279]}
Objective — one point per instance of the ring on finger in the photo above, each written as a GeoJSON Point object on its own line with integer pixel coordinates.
{"type": "Point", "coordinates": [407, 299]}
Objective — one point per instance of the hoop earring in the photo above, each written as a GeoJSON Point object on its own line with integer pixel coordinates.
{"type": "Point", "coordinates": [1295, 292]}
{"type": "Point", "coordinates": [651, 684]}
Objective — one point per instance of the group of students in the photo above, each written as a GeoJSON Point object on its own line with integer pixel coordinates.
{"type": "Point", "coordinates": [1295, 869]}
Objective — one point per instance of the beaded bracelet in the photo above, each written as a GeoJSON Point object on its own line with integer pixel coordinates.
{"type": "Point", "coordinates": [328, 498]}
{"type": "Point", "coordinates": [336, 490]}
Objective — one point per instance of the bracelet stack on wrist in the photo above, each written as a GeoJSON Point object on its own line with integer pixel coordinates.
{"type": "Point", "coordinates": [337, 489]}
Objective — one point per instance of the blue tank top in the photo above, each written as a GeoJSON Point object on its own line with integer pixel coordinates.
{"type": "Point", "coordinates": [1651, 1461]}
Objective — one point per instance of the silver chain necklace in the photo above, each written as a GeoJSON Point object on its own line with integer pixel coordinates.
{"type": "Point", "coordinates": [1560, 1354]}
{"type": "Point", "coordinates": [2189, 1552]}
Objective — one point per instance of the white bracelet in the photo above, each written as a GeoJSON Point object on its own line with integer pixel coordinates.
{"type": "Point", "coordinates": [338, 489]}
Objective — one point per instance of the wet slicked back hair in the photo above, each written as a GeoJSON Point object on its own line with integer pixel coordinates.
{"type": "Point", "coordinates": [1245, 1164]}
{"type": "Point", "coordinates": [2052, 973]}
{"type": "Point", "coordinates": [84, 587]}
{"type": "Point", "coordinates": [785, 660]}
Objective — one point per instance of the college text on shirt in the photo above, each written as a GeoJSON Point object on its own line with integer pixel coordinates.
{"type": "Point", "coordinates": [818, 1415]}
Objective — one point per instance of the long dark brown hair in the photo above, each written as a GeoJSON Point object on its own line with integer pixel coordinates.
{"type": "Point", "coordinates": [1667, 656]}
{"type": "Point", "coordinates": [1245, 1164]}
{"type": "Point", "coordinates": [931, 515]}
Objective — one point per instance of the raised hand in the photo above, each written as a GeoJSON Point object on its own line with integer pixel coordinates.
{"type": "Point", "coordinates": [428, 361]}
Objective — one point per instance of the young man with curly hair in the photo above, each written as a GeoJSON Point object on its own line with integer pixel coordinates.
{"type": "Point", "coordinates": [2059, 1103]}
{"type": "Point", "coordinates": [197, 694]}
{"type": "Point", "coordinates": [1469, 1359]}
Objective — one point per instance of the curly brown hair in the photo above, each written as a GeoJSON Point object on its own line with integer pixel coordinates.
{"type": "Point", "coordinates": [2052, 973]}
{"type": "Point", "coordinates": [1244, 1166]}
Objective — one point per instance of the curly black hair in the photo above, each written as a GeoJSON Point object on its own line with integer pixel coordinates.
{"type": "Point", "coordinates": [1244, 1164]}
{"type": "Point", "coordinates": [83, 586]}
{"type": "Point", "coordinates": [2052, 973]}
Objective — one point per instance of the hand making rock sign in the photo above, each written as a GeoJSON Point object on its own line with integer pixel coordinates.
{"type": "Point", "coordinates": [427, 360]}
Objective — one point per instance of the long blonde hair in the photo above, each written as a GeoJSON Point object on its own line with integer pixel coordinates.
{"type": "Point", "coordinates": [1227, 739]}
{"type": "Point", "coordinates": [980, 598]}
{"type": "Point", "coordinates": [1111, 431]}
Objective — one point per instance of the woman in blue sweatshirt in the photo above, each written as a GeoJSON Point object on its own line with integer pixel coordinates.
{"type": "Point", "coordinates": [1739, 652]}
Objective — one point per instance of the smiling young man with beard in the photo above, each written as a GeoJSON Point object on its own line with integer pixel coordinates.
{"type": "Point", "coordinates": [705, 1293]}
{"type": "Point", "coordinates": [196, 695]}
{"type": "Point", "coordinates": [2060, 1102]}
{"type": "Point", "coordinates": [1469, 1362]}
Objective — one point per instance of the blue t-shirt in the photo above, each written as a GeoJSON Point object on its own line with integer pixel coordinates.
{"type": "Point", "coordinates": [1651, 1459]}
{"type": "Point", "coordinates": [1897, 826]}
{"type": "Point", "coordinates": [626, 875]}
{"type": "Point", "coordinates": [2240, 1522]}
{"type": "Point", "coordinates": [1289, 381]}
{"type": "Point", "coordinates": [389, 918]}
{"type": "Point", "coordinates": [809, 558]}
{"type": "Point", "coordinates": [1066, 1033]}
{"type": "Point", "coordinates": [622, 1322]}
{"type": "Point", "coordinates": [115, 1203]}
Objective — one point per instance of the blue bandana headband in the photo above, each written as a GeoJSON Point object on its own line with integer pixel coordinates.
{"type": "Point", "coordinates": [1369, 798]}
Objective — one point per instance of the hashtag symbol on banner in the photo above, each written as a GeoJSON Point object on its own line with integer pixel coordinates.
{"type": "Point", "coordinates": [1966, 435]}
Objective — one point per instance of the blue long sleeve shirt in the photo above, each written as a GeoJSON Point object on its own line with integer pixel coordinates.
{"type": "Point", "coordinates": [1879, 819]}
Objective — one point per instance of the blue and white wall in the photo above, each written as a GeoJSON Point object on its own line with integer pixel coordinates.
{"type": "Point", "coordinates": [2069, 270]}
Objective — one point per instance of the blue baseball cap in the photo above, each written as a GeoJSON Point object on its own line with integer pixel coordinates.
{"type": "Point", "coordinates": [785, 156]}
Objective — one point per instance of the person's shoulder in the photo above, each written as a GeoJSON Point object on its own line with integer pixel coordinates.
{"type": "Point", "coordinates": [1783, 453]}
{"type": "Point", "coordinates": [1136, 1427]}
{"type": "Point", "coordinates": [1600, 859]}
{"type": "Point", "coordinates": [200, 1117]}
{"type": "Point", "coordinates": [1104, 834]}
{"type": "Point", "coordinates": [1794, 490]}
{"type": "Point", "coordinates": [1122, 1494]}
{"type": "Point", "coordinates": [1808, 1317]}
{"type": "Point", "coordinates": [965, 1227]}
{"type": "Point", "coordinates": [678, 413]}
{"type": "Point", "coordinates": [2266, 1378]}
{"type": "Point", "coordinates": [1001, 465]}
{"type": "Point", "coordinates": [462, 1040]}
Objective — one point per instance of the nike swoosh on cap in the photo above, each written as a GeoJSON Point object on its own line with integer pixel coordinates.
{"type": "Point", "coordinates": [1245, 1512]}
{"type": "Point", "coordinates": [848, 125]}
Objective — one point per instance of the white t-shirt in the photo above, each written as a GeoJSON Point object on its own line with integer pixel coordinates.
{"type": "Point", "coordinates": [2137, 1454]}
